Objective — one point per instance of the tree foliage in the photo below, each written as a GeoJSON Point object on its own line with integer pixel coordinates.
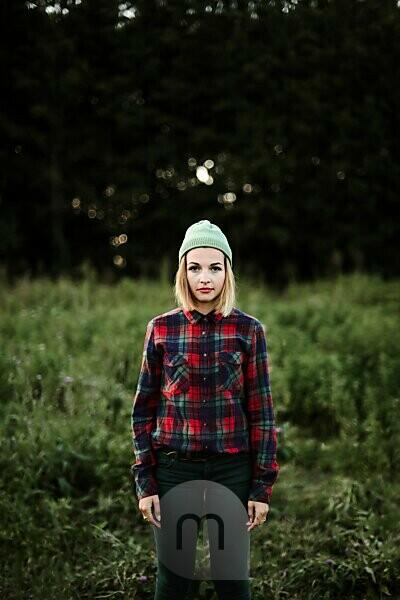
{"type": "Point", "coordinates": [110, 107]}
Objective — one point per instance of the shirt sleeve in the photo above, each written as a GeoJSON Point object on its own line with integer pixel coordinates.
{"type": "Point", "coordinates": [261, 420]}
{"type": "Point", "coordinates": [143, 417]}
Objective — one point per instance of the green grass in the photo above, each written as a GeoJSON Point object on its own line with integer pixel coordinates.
{"type": "Point", "coordinates": [69, 362]}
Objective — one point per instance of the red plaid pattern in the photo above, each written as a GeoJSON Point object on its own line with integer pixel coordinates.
{"type": "Point", "coordinates": [204, 385]}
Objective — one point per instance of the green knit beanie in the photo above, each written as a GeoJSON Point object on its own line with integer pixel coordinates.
{"type": "Point", "coordinates": [204, 233]}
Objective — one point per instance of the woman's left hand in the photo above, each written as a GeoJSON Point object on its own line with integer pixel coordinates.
{"type": "Point", "coordinates": [257, 512]}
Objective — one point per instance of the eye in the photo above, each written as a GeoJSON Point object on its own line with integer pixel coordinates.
{"type": "Point", "coordinates": [214, 268]}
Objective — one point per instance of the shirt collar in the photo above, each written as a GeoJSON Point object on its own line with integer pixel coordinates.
{"type": "Point", "coordinates": [194, 316]}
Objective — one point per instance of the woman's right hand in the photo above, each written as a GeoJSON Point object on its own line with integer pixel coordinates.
{"type": "Point", "coordinates": [146, 506]}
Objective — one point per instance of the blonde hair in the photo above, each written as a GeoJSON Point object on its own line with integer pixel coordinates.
{"type": "Point", "coordinates": [226, 299]}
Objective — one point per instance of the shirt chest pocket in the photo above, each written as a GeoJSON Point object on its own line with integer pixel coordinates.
{"type": "Point", "coordinates": [176, 373]}
{"type": "Point", "coordinates": [230, 372]}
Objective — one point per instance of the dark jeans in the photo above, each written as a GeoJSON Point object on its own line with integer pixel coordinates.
{"type": "Point", "coordinates": [233, 473]}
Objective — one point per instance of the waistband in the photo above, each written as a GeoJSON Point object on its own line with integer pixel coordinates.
{"type": "Point", "coordinates": [200, 455]}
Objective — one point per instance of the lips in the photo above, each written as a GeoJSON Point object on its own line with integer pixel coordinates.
{"type": "Point", "coordinates": [205, 290]}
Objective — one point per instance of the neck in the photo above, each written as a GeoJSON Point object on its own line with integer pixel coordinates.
{"type": "Point", "coordinates": [205, 309]}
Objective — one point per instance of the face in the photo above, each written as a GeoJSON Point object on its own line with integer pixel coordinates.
{"type": "Point", "coordinates": [205, 269]}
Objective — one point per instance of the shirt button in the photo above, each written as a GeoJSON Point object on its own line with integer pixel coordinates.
{"type": "Point", "coordinates": [204, 401]}
{"type": "Point", "coordinates": [205, 354]}
{"type": "Point", "coordinates": [204, 378]}
{"type": "Point", "coordinates": [203, 332]}
{"type": "Point", "coordinates": [205, 424]}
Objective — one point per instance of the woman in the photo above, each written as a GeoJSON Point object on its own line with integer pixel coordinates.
{"type": "Point", "coordinates": [203, 422]}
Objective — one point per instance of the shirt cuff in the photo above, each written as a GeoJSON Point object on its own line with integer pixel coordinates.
{"type": "Point", "coordinates": [259, 492]}
{"type": "Point", "coordinates": [145, 485]}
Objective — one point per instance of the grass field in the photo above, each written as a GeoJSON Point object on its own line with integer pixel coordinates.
{"type": "Point", "coordinates": [69, 361]}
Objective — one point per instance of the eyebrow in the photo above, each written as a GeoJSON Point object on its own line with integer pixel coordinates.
{"type": "Point", "coordinates": [211, 264]}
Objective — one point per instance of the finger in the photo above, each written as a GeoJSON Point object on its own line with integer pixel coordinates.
{"type": "Point", "coordinates": [145, 510]}
{"type": "Point", "coordinates": [256, 521]}
{"type": "Point", "coordinates": [251, 522]}
{"type": "Point", "coordinates": [260, 517]}
{"type": "Point", "coordinates": [154, 521]}
{"type": "Point", "coordinates": [251, 526]}
{"type": "Point", "coordinates": [250, 512]}
{"type": "Point", "coordinates": [146, 513]}
{"type": "Point", "coordinates": [151, 519]}
{"type": "Point", "coordinates": [157, 510]}
{"type": "Point", "coordinates": [152, 512]}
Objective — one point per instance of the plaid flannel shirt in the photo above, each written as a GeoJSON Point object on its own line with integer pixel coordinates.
{"type": "Point", "coordinates": [204, 385]}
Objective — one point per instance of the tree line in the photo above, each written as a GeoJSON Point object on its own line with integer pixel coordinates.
{"type": "Point", "coordinates": [122, 123]}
